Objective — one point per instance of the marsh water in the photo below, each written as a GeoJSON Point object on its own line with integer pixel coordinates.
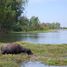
{"type": "Point", "coordinates": [36, 64]}
{"type": "Point", "coordinates": [55, 37]}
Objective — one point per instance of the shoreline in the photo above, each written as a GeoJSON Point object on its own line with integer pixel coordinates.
{"type": "Point", "coordinates": [47, 54]}
{"type": "Point", "coordinates": [37, 31]}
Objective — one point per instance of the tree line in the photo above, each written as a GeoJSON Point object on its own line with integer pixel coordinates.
{"type": "Point", "coordinates": [34, 24]}
{"type": "Point", "coordinates": [11, 19]}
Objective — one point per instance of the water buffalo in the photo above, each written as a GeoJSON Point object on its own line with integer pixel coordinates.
{"type": "Point", "coordinates": [14, 48]}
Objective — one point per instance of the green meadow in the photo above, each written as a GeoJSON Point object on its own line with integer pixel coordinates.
{"type": "Point", "coordinates": [45, 53]}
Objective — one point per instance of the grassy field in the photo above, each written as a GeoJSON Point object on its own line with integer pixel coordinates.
{"type": "Point", "coordinates": [48, 54]}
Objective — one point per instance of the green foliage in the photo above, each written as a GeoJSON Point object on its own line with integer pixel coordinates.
{"type": "Point", "coordinates": [34, 23]}
{"type": "Point", "coordinates": [28, 25]}
{"type": "Point", "coordinates": [24, 23]}
{"type": "Point", "coordinates": [54, 25]}
{"type": "Point", "coordinates": [10, 11]}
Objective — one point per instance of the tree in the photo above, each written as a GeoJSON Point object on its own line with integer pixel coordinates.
{"type": "Point", "coordinates": [34, 23]}
{"type": "Point", "coordinates": [55, 25]}
{"type": "Point", "coordinates": [58, 25]}
{"type": "Point", "coordinates": [47, 26]}
{"type": "Point", "coordinates": [10, 11]}
{"type": "Point", "coordinates": [22, 25]}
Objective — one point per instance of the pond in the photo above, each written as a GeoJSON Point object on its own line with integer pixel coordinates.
{"type": "Point", "coordinates": [36, 64]}
{"type": "Point", "coordinates": [55, 37]}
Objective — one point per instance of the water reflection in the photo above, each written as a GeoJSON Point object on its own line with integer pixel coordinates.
{"type": "Point", "coordinates": [56, 37]}
{"type": "Point", "coordinates": [36, 64]}
{"type": "Point", "coordinates": [17, 37]}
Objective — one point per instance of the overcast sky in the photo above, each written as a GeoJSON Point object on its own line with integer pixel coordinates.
{"type": "Point", "coordinates": [48, 10]}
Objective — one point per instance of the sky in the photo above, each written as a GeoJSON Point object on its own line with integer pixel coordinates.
{"type": "Point", "coordinates": [48, 10]}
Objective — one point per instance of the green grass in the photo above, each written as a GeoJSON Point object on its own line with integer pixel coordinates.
{"type": "Point", "coordinates": [8, 64]}
{"type": "Point", "coordinates": [49, 54]}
